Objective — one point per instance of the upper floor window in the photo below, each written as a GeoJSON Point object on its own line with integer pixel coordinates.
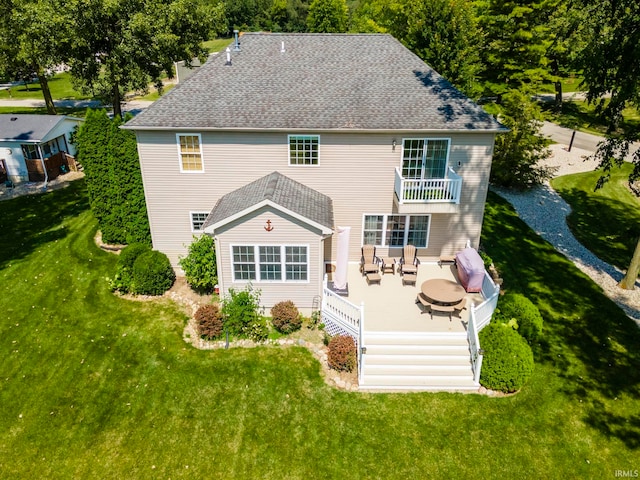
{"type": "Point", "coordinates": [197, 220]}
{"type": "Point", "coordinates": [190, 151]}
{"type": "Point", "coordinates": [303, 149]}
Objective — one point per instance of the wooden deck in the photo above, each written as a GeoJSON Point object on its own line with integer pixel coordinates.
{"type": "Point", "coordinates": [391, 306]}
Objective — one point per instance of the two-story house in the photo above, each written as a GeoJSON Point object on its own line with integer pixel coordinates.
{"type": "Point", "coordinates": [272, 145]}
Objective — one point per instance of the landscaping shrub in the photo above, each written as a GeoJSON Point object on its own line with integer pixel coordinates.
{"type": "Point", "coordinates": [508, 360]}
{"type": "Point", "coordinates": [200, 264]}
{"type": "Point", "coordinates": [286, 317]}
{"type": "Point", "coordinates": [527, 316]}
{"type": "Point", "coordinates": [240, 309]}
{"type": "Point", "coordinates": [486, 259]}
{"type": "Point", "coordinates": [342, 353]}
{"type": "Point", "coordinates": [124, 270]}
{"type": "Point", "coordinates": [152, 274]}
{"type": "Point", "coordinates": [209, 321]}
{"type": "Point", "coordinates": [256, 330]}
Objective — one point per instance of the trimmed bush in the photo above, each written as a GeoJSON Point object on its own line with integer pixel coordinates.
{"type": "Point", "coordinates": [286, 317]}
{"type": "Point", "coordinates": [124, 271]}
{"type": "Point", "coordinates": [342, 353]}
{"type": "Point", "coordinates": [152, 274]}
{"type": "Point", "coordinates": [209, 321]}
{"type": "Point", "coordinates": [526, 314]}
{"type": "Point", "coordinates": [200, 264]}
{"type": "Point", "coordinates": [508, 360]}
{"type": "Point", "coordinates": [240, 309]}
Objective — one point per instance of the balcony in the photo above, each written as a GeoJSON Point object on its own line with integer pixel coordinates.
{"type": "Point", "coordinates": [436, 195]}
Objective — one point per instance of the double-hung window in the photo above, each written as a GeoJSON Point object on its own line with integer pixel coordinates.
{"type": "Point", "coordinates": [190, 152]}
{"type": "Point", "coordinates": [396, 230]}
{"type": "Point", "coordinates": [270, 263]}
{"type": "Point", "coordinates": [304, 149]}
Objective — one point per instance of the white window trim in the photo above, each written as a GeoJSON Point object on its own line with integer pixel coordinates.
{"type": "Point", "coordinates": [385, 217]}
{"type": "Point", "coordinates": [283, 263]}
{"type": "Point", "coordinates": [295, 165]}
{"type": "Point", "coordinates": [185, 134]}
{"type": "Point", "coordinates": [427, 139]}
{"type": "Point", "coordinates": [191, 213]}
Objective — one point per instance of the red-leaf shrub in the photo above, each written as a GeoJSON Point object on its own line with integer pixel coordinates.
{"type": "Point", "coordinates": [286, 317]}
{"type": "Point", "coordinates": [342, 353]}
{"type": "Point", "coordinates": [209, 321]}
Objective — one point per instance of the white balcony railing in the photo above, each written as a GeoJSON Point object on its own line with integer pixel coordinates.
{"type": "Point", "coordinates": [430, 190]}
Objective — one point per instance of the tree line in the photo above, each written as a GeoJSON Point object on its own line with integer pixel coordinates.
{"type": "Point", "coordinates": [498, 51]}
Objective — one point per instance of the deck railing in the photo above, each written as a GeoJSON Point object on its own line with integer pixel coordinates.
{"type": "Point", "coordinates": [429, 190]}
{"type": "Point", "coordinates": [474, 346]}
{"type": "Point", "coordinates": [340, 316]}
{"type": "Point", "coordinates": [484, 311]}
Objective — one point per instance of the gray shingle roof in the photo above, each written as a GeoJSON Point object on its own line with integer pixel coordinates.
{"type": "Point", "coordinates": [281, 190]}
{"type": "Point", "coordinates": [27, 128]}
{"type": "Point", "coordinates": [321, 81]}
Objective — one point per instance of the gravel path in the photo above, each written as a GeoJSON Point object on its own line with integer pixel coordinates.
{"type": "Point", "coordinates": [545, 212]}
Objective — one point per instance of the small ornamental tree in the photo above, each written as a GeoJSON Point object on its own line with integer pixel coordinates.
{"type": "Point", "coordinates": [200, 264]}
{"type": "Point", "coordinates": [507, 361]}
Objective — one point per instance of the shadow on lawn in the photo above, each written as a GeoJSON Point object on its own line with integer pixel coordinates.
{"type": "Point", "coordinates": [615, 238]}
{"type": "Point", "coordinates": [590, 343]}
{"type": "Point", "coordinates": [29, 222]}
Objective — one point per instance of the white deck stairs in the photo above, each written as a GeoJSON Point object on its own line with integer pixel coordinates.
{"type": "Point", "coordinates": [429, 361]}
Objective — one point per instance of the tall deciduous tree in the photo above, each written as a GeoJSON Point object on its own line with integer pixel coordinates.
{"type": "Point", "coordinates": [123, 45]}
{"type": "Point", "coordinates": [328, 16]}
{"type": "Point", "coordinates": [33, 38]}
{"type": "Point", "coordinates": [611, 62]}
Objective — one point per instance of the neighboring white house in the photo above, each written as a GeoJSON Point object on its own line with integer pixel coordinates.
{"type": "Point", "coordinates": [26, 140]}
{"type": "Point", "coordinates": [271, 148]}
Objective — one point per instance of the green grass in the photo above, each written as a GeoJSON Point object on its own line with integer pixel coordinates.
{"type": "Point", "coordinates": [75, 112]}
{"type": "Point", "coordinates": [217, 44]}
{"type": "Point", "coordinates": [579, 115]}
{"type": "Point", "coordinates": [59, 84]}
{"type": "Point", "coordinates": [570, 84]}
{"type": "Point", "coordinates": [153, 95]}
{"type": "Point", "coordinates": [606, 221]}
{"type": "Point", "coordinates": [96, 386]}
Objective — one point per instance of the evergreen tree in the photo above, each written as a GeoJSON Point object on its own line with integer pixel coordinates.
{"type": "Point", "coordinates": [110, 159]}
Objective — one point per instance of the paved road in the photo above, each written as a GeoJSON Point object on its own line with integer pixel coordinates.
{"type": "Point", "coordinates": [562, 135]}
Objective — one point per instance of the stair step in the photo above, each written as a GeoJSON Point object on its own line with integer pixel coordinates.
{"type": "Point", "coordinates": [419, 370]}
{"type": "Point", "coordinates": [440, 360]}
{"type": "Point", "coordinates": [414, 382]}
{"type": "Point", "coordinates": [448, 350]}
{"type": "Point", "coordinates": [458, 339]}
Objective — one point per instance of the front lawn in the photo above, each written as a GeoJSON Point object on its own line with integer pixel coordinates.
{"type": "Point", "coordinates": [59, 85]}
{"type": "Point", "coordinates": [581, 116]}
{"type": "Point", "coordinates": [606, 221]}
{"type": "Point", "coordinates": [95, 386]}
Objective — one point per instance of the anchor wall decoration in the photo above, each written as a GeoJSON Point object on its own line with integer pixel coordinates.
{"type": "Point", "coordinates": [268, 228]}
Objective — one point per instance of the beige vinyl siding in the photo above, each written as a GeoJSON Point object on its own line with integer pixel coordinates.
{"type": "Point", "coordinates": [356, 170]}
{"type": "Point", "coordinates": [288, 231]}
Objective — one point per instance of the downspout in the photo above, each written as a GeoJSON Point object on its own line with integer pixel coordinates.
{"type": "Point", "coordinates": [44, 168]}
